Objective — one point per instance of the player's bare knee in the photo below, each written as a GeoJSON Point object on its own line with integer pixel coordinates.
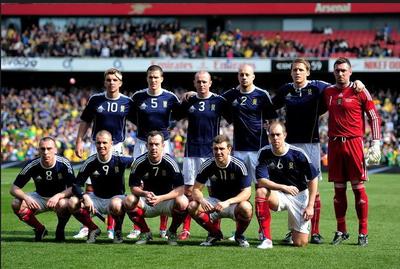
{"type": "Point", "coordinates": [193, 207]}
{"type": "Point", "coordinates": [130, 202]}
{"type": "Point", "coordinates": [74, 204]}
{"type": "Point", "coordinates": [300, 243]}
{"type": "Point", "coordinates": [181, 202]}
{"type": "Point", "coordinates": [62, 204]}
{"type": "Point", "coordinates": [245, 210]}
{"type": "Point", "coordinates": [116, 206]}
{"type": "Point", "coordinates": [262, 192]}
{"type": "Point", "coordinates": [16, 205]}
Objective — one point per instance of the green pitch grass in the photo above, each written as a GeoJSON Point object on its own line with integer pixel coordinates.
{"type": "Point", "coordinates": [19, 251]}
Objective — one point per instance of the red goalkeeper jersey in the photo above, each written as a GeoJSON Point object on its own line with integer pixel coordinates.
{"type": "Point", "coordinates": [347, 110]}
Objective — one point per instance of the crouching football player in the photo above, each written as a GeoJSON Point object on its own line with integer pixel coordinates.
{"type": "Point", "coordinates": [53, 177]}
{"type": "Point", "coordinates": [106, 171]}
{"type": "Point", "coordinates": [231, 191]}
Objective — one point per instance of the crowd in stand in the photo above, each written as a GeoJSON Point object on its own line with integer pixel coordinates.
{"type": "Point", "coordinates": [28, 114]}
{"type": "Point", "coordinates": [157, 39]}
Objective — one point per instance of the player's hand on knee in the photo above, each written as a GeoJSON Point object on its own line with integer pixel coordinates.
{"type": "Point", "coordinates": [292, 190]}
{"type": "Point", "coordinates": [308, 213]}
{"type": "Point", "coordinates": [53, 201]}
{"type": "Point", "coordinates": [31, 203]}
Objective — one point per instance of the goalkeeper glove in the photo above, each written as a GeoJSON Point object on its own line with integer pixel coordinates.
{"type": "Point", "coordinates": [374, 153]}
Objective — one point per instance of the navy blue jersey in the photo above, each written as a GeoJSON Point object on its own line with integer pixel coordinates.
{"type": "Point", "coordinates": [159, 178]}
{"type": "Point", "coordinates": [107, 177]}
{"type": "Point", "coordinates": [48, 181]}
{"type": "Point", "coordinates": [249, 111]}
{"type": "Point", "coordinates": [204, 116]}
{"type": "Point", "coordinates": [294, 168]}
{"type": "Point", "coordinates": [302, 110]}
{"type": "Point", "coordinates": [226, 182]}
{"type": "Point", "coordinates": [154, 113]}
{"type": "Point", "coordinates": [108, 114]}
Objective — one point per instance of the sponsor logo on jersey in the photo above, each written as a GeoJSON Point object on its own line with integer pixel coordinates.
{"type": "Point", "coordinates": [143, 106]}
{"type": "Point", "coordinates": [235, 103]}
{"type": "Point", "coordinates": [38, 178]}
{"type": "Point", "coordinates": [213, 178]}
{"type": "Point", "coordinates": [96, 173]}
{"type": "Point", "coordinates": [191, 109]}
{"type": "Point", "coordinates": [100, 109]}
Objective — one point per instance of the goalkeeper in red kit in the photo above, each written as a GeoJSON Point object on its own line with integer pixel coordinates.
{"type": "Point", "coordinates": [346, 128]}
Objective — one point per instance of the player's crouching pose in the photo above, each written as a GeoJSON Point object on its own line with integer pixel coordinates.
{"type": "Point", "coordinates": [53, 177]}
{"type": "Point", "coordinates": [162, 192]}
{"type": "Point", "coordinates": [287, 180]}
{"type": "Point", "coordinates": [106, 170]}
{"type": "Point", "coordinates": [231, 191]}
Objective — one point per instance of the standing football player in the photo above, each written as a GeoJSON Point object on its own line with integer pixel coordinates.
{"type": "Point", "coordinates": [346, 128]}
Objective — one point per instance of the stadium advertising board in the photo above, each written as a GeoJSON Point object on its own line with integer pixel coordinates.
{"type": "Point", "coordinates": [131, 65]}
{"type": "Point", "coordinates": [285, 65]}
{"type": "Point", "coordinates": [218, 65]}
{"type": "Point", "coordinates": [372, 65]}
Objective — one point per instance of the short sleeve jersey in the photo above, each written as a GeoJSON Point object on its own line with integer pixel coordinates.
{"type": "Point", "coordinates": [160, 178]}
{"type": "Point", "coordinates": [154, 112]}
{"type": "Point", "coordinates": [294, 168]}
{"type": "Point", "coordinates": [48, 181]}
{"type": "Point", "coordinates": [107, 177]}
{"type": "Point", "coordinates": [108, 114]}
{"type": "Point", "coordinates": [204, 116]}
{"type": "Point", "coordinates": [248, 112]}
{"type": "Point", "coordinates": [302, 110]}
{"type": "Point", "coordinates": [226, 182]}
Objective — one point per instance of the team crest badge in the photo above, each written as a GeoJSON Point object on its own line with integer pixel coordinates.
{"type": "Point", "coordinates": [232, 176]}
{"type": "Point", "coordinates": [122, 108]}
{"type": "Point", "coordinates": [213, 178]}
{"type": "Point", "coordinates": [116, 169]}
{"type": "Point", "coordinates": [254, 101]}
{"type": "Point", "coordinates": [309, 91]}
{"type": "Point", "coordinates": [235, 103]}
{"type": "Point", "coordinates": [339, 100]}
{"type": "Point", "coordinates": [59, 175]}
{"type": "Point", "coordinates": [100, 109]}
{"type": "Point", "coordinates": [38, 178]}
{"type": "Point", "coordinates": [146, 176]}
{"type": "Point", "coordinates": [96, 174]}
{"type": "Point", "coordinates": [165, 104]}
{"type": "Point", "coordinates": [212, 107]}
{"type": "Point", "coordinates": [191, 109]}
{"type": "Point", "coordinates": [291, 165]}
{"type": "Point", "coordinates": [163, 173]}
